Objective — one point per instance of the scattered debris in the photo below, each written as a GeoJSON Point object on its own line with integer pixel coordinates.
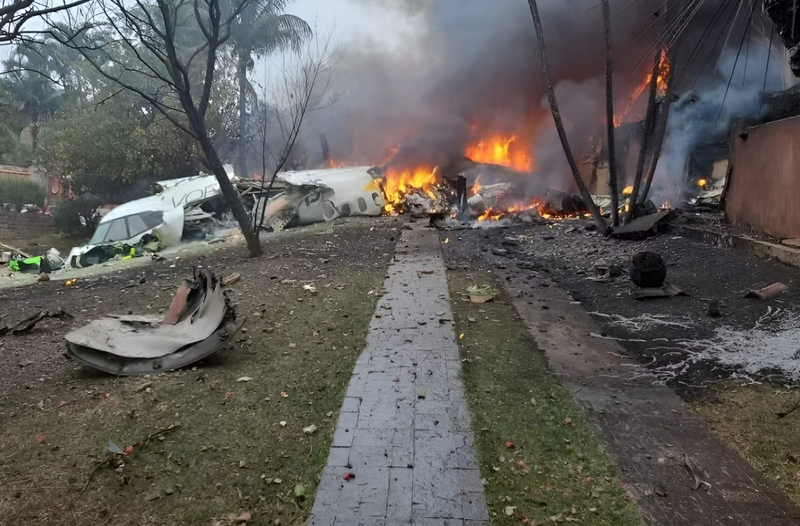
{"type": "Point", "coordinates": [767, 292]}
{"type": "Point", "coordinates": [230, 280]}
{"type": "Point", "coordinates": [696, 473]}
{"type": "Point", "coordinates": [128, 345]}
{"type": "Point", "coordinates": [642, 227]}
{"type": "Point", "coordinates": [481, 293]}
{"type": "Point", "coordinates": [30, 322]}
{"type": "Point", "coordinates": [667, 291]}
{"type": "Point", "coordinates": [310, 430]}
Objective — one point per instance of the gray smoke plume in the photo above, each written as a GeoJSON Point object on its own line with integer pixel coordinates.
{"type": "Point", "coordinates": [474, 68]}
{"type": "Point", "coordinates": [699, 116]}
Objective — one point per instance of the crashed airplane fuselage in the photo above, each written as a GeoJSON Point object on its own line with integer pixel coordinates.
{"type": "Point", "coordinates": [157, 219]}
{"type": "Point", "coordinates": [161, 220]}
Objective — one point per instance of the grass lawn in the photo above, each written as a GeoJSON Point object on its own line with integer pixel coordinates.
{"type": "Point", "coordinates": [237, 444]}
{"type": "Point", "coordinates": [745, 417]}
{"type": "Point", "coordinates": [538, 455]}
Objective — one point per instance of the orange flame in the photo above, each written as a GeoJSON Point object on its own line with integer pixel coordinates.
{"type": "Point", "coordinates": [398, 183]}
{"type": "Point", "coordinates": [476, 187]}
{"type": "Point", "coordinates": [663, 74]}
{"type": "Point", "coordinates": [502, 150]}
{"type": "Point", "coordinates": [490, 214]}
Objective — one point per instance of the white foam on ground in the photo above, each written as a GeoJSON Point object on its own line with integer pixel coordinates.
{"type": "Point", "coordinates": [773, 343]}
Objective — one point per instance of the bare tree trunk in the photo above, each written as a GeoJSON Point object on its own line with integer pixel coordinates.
{"type": "Point", "coordinates": [648, 134]}
{"type": "Point", "coordinates": [231, 196]}
{"type": "Point", "coordinates": [612, 148]}
{"type": "Point", "coordinates": [562, 135]}
{"type": "Point", "coordinates": [241, 79]}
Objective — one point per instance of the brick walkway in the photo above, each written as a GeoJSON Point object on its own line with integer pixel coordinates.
{"type": "Point", "coordinates": [404, 428]}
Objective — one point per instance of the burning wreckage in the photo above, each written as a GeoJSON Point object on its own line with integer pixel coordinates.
{"type": "Point", "coordinates": [193, 208]}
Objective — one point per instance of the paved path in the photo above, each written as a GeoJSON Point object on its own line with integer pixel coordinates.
{"type": "Point", "coordinates": [404, 428]}
{"type": "Point", "coordinates": [647, 428]}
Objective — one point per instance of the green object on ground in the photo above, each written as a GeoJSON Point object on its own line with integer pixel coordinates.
{"type": "Point", "coordinates": [21, 265]}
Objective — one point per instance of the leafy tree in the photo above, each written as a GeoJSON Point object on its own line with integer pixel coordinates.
{"type": "Point", "coordinates": [261, 29]}
{"type": "Point", "coordinates": [114, 154]}
{"type": "Point", "coordinates": [174, 45]}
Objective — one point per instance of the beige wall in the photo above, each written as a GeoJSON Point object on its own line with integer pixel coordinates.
{"type": "Point", "coordinates": [764, 189]}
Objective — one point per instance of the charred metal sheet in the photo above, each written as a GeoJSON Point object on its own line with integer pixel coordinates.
{"type": "Point", "coordinates": [642, 226]}
{"type": "Point", "coordinates": [126, 337]}
{"type": "Point", "coordinates": [198, 323]}
{"type": "Point", "coordinates": [121, 366]}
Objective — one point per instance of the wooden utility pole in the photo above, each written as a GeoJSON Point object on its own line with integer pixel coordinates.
{"type": "Point", "coordinates": [612, 149]}
{"type": "Point", "coordinates": [562, 134]}
{"type": "Point", "coordinates": [648, 134]}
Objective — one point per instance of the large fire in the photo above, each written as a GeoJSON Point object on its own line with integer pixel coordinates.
{"type": "Point", "coordinates": [502, 150]}
{"type": "Point", "coordinates": [663, 75]}
{"type": "Point", "coordinates": [397, 183]}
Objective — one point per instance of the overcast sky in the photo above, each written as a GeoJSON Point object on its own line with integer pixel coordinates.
{"type": "Point", "coordinates": [354, 21]}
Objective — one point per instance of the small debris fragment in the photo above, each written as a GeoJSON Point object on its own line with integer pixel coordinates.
{"type": "Point", "coordinates": [510, 445]}
{"type": "Point", "coordinates": [349, 476]}
{"type": "Point", "coordinates": [230, 280]}
{"type": "Point", "coordinates": [244, 517]}
{"type": "Point", "coordinates": [767, 292]}
{"type": "Point", "coordinates": [310, 430]}
{"type": "Point", "coordinates": [244, 379]}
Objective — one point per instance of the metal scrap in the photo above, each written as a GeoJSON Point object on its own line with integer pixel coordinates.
{"type": "Point", "coordinates": [198, 323]}
{"type": "Point", "coordinates": [30, 322]}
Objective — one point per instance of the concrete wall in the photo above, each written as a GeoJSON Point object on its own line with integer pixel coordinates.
{"type": "Point", "coordinates": [764, 188]}
{"type": "Point", "coordinates": [24, 226]}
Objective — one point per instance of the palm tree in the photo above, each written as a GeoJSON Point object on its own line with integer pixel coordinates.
{"type": "Point", "coordinates": [261, 29]}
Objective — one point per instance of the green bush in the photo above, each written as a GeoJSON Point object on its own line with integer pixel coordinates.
{"type": "Point", "coordinates": [67, 214]}
{"type": "Point", "coordinates": [19, 192]}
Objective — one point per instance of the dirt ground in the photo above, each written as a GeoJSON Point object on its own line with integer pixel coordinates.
{"type": "Point", "coordinates": [676, 341]}
{"type": "Point", "coordinates": [232, 437]}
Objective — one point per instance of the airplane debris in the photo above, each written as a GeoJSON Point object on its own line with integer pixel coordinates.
{"type": "Point", "coordinates": [198, 323]}
{"type": "Point", "coordinates": [767, 292]}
